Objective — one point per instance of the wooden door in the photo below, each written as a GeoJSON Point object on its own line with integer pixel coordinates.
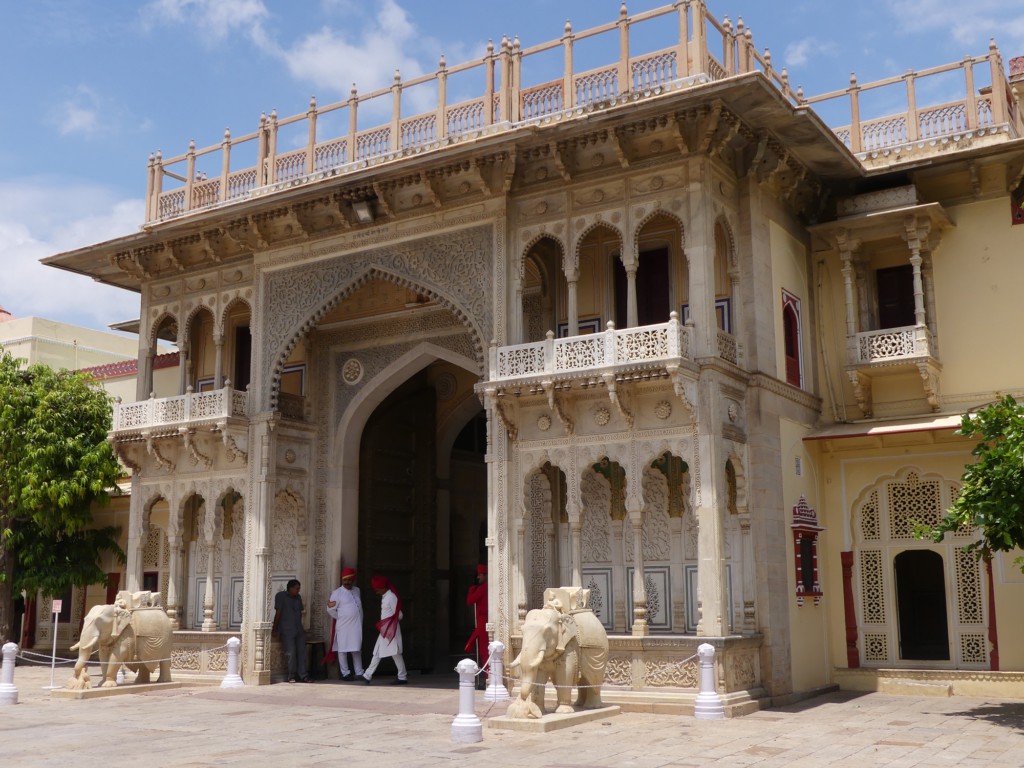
{"type": "Point", "coordinates": [397, 511]}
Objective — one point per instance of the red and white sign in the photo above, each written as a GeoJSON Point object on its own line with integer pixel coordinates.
{"type": "Point", "coordinates": [57, 605]}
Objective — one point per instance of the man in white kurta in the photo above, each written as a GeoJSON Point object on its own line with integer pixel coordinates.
{"type": "Point", "coordinates": [345, 606]}
{"type": "Point", "coordinates": [389, 638]}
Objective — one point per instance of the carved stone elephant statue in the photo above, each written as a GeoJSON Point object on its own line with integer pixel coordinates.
{"type": "Point", "coordinates": [134, 631]}
{"type": "Point", "coordinates": [565, 642]}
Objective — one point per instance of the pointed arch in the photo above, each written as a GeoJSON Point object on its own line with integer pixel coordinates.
{"type": "Point", "coordinates": [153, 335]}
{"type": "Point", "coordinates": [368, 275]}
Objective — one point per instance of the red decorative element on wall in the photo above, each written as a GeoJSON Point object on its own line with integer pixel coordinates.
{"type": "Point", "coordinates": [852, 656]}
{"type": "Point", "coordinates": [993, 635]}
{"type": "Point", "coordinates": [805, 550]}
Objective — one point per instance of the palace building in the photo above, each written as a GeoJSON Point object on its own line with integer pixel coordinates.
{"type": "Point", "coordinates": [656, 328]}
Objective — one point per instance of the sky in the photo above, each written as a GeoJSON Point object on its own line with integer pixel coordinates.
{"type": "Point", "coordinates": [90, 88]}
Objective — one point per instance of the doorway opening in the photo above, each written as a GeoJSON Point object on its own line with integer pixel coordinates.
{"type": "Point", "coordinates": [921, 605]}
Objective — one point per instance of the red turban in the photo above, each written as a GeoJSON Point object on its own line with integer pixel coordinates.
{"type": "Point", "coordinates": [346, 572]}
{"type": "Point", "coordinates": [481, 568]}
{"type": "Point", "coordinates": [379, 582]}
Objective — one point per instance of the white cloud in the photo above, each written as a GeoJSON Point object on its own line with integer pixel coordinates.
{"type": "Point", "coordinates": [215, 20]}
{"type": "Point", "coordinates": [802, 51]}
{"type": "Point", "coordinates": [42, 217]}
{"type": "Point", "coordinates": [79, 114]}
{"type": "Point", "coordinates": [967, 26]}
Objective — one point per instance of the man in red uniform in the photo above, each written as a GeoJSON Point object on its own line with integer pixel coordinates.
{"type": "Point", "coordinates": [478, 597]}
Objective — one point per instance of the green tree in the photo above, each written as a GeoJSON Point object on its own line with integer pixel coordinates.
{"type": "Point", "coordinates": [55, 463]}
{"type": "Point", "coordinates": [992, 488]}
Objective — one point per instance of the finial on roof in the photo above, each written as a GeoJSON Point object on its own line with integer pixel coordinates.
{"type": "Point", "coordinates": [398, 76]}
{"type": "Point", "coordinates": [490, 47]}
{"type": "Point", "coordinates": [353, 92]}
{"type": "Point", "coordinates": [622, 10]}
{"type": "Point", "coordinates": [441, 64]}
{"type": "Point", "coordinates": [568, 27]}
{"type": "Point", "coordinates": [312, 102]}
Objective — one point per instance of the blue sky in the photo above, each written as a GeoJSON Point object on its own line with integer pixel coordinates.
{"type": "Point", "coordinates": [92, 87]}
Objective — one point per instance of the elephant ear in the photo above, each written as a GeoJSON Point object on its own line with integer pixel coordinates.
{"type": "Point", "coordinates": [122, 620]}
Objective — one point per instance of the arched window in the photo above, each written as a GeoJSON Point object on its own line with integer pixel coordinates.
{"type": "Point", "coordinates": [791, 338]}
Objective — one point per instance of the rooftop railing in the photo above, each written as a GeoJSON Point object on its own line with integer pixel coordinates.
{"type": "Point", "coordinates": [704, 49]}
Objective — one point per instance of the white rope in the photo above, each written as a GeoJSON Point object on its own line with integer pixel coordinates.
{"type": "Point", "coordinates": [60, 660]}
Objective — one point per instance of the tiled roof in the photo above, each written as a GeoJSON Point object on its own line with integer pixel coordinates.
{"type": "Point", "coordinates": [124, 368]}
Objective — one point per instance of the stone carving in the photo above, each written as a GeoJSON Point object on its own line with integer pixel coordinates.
{"type": "Point", "coordinates": [134, 631]}
{"type": "Point", "coordinates": [565, 642]}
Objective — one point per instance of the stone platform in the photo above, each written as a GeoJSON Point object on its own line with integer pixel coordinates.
{"type": "Point", "coordinates": [552, 722]}
{"type": "Point", "coordinates": [120, 690]}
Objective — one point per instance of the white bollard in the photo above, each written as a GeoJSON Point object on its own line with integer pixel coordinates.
{"type": "Point", "coordinates": [466, 727]}
{"type": "Point", "coordinates": [8, 693]}
{"type": "Point", "coordinates": [709, 704]}
{"type": "Point", "coordinates": [496, 690]}
{"type": "Point", "coordinates": [232, 679]}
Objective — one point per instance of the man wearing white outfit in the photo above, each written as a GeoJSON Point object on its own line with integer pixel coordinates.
{"type": "Point", "coordinates": [345, 606]}
{"type": "Point", "coordinates": [389, 639]}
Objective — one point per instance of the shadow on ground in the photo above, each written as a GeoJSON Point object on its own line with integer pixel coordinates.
{"type": "Point", "coordinates": [1009, 714]}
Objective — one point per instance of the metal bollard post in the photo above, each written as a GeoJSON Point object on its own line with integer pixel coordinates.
{"type": "Point", "coordinates": [232, 679]}
{"type": "Point", "coordinates": [8, 693]}
{"type": "Point", "coordinates": [709, 704]}
{"type": "Point", "coordinates": [466, 727]}
{"type": "Point", "coordinates": [496, 690]}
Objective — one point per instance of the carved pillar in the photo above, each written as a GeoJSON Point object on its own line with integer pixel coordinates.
{"type": "Point", "coordinates": [520, 531]}
{"type": "Point", "coordinates": [928, 279]}
{"type": "Point", "coordinates": [573, 308]}
{"type": "Point", "coordinates": [136, 538]}
{"type": "Point", "coordinates": [640, 627]}
{"type": "Point", "coordinates": [173, 608]}
{"type": "Point", "coordinates": [700, 250]}
{"type": "Point", "coordinates": [211, 531]}
{"type": "Point", "coordinates": [711, 499]}
{"type": "Point", "coordinates": [184, 364]}
{"type": "Point", "coordinates": [575, 543]}
{"type": "Point", "coordinates": [631, 314]}
{"type": "Point", "coordinates": [218, 361]}
{"type": "Point", "coordinates": [749, 587]}
{"type": "Point", "coordinates": [914, 236]}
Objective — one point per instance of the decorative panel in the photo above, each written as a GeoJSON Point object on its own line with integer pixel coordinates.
{"type": "Point", "coordinates": [658, 586]}
{"type": "Point", "coordinates": [870, 528]}
{"type": "Point", "coordinates": [972, 648]}
{"type": "Point", "coordinates": [911, 503]}
{"type": "Point", "coordinates": [876, 646]}
{"type": "Point", "coordinates": [599, 582]}
{"type": "Point", "coordinates": [872, 591]}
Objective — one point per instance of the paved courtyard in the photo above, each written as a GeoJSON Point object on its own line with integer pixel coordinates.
{"type": "Point", "coordinates": [345, 725]}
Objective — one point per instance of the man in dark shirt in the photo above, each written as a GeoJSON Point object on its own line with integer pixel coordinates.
{"type": "Point", "coordinates": [288, 609]}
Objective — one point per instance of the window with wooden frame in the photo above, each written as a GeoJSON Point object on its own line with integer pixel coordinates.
{"type": "Point", "coordinates": [792, 338]}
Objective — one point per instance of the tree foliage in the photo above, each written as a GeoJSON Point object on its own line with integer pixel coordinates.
{"type": "Point", "coordinates": [992, 494]}
{"type": "Point", "coordinates": [55, 464]}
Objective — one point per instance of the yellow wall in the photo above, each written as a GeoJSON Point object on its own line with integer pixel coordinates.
{"type": "Point", "coordinates": [808, 624]}
{"type": "Point", "coordinates": [789, 271]}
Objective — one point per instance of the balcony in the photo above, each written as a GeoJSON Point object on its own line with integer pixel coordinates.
{"type": "Point", "coordinates": [888, 351]}
{"type": "Point", "coordinates": [610, 352]}
{"type": "Point", "coordinates": [198, 423]}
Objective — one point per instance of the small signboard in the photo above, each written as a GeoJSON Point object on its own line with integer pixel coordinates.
{"type": "Point", "coordinates": [57, 605]}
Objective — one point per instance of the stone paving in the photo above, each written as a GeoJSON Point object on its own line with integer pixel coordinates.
{"type": "Point", "coordinates": [345, 725]}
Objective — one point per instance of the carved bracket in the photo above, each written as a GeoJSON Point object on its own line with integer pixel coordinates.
{"type": "Point", "coordinates": [188, 435]}
{"type": "Point", "coordinates": [618, 398]}
{"type": "Point", "coordinates": [862, 391]}
{"type": "Point", "coordinates": [930, 379]}
{"type": "Point", "coordinates": [154, 451]}
{"type": "Point", "coordinates": [501, 411]}
{"type": "Point", "coordinates": [685, 389]}
{"type": "Point", "coordinates": [556, 405]}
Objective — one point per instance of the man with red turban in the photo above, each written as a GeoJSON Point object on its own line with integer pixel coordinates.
{"type": "Point", "coordinates": [345, 606]}
{"type": "Point", "coordinates": [478, 597]}
{"type": "Point", "coordinates": [389, 641]}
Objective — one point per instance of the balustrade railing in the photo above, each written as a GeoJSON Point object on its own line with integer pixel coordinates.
{"type": "Point", "coordinates": [608, 349]}
{"type": "Point", "coordinates": [166, 412]}
{"type": "Point", "coordinates": [890, 344]}
{"type": "Point", "coordinates": [707, 49]}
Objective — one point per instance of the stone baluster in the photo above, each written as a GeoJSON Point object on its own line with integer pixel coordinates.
{"type": "Point", "coordinates": [8, 691]}
{"type": "Point", "coordinates": [708, 705]}
{"type": "Point", "coordinates": [441, 121]}
{"type": "Point", "coordinates": [913, 129]}
{"type": "Point", "coordinates": [270, 172]}
{"type": "Point", "coordinates": [971, 113]}
{"type": "Point", "coordinates": [568, 91]}
{"type": "Point", "coordinates": [466, 727]}
{"type": "Point", "coordinates": [625, 81]}
{"type": "Point", "coordinates": [353, 124]}
{"type": "Point", "coordinates": [395, 144]}
{"type": "Point", "coordinates": [855, 131]}
{"type": "Point", "coordinates": [728, 47]}
{"type": "Point", "coordinates": [231, 678]}
{"type": "Point", "coordinates": [190, 174]}
{"type": "Point", "coordinates": [225, 164]}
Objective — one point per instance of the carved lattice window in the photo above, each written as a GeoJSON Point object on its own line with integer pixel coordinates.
{"type": "Point", "coordinates": [972, 648]}
{"type": "Point", "coordinates": [876, 646]}
{"type": "Point", "coordinates": [968, 588]}
{"type": "Point", "coordinates": [870, 527]}
{"type": "Point", "coordinates": [913, 502]}
{"type": "Point", "coordinates": [872, 588]}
